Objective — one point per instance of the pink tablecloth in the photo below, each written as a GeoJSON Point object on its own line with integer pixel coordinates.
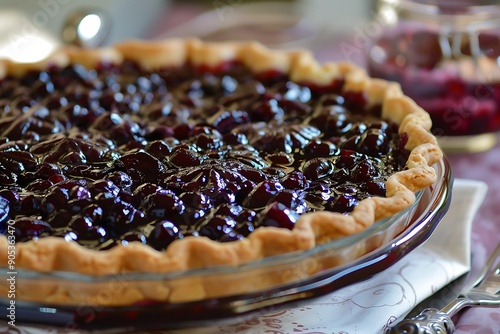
{"type": "Point", "coordinates": [483, 166]}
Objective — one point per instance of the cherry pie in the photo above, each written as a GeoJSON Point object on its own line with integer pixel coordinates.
{"type": "Point", "coordinates": [159, 157]}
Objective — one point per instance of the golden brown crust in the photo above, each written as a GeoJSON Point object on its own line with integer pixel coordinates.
{"type": "Point", "coordinates": [59, 58]}
{"type": "Point", "coordinates": [3, 68]}
{"type": "Point", "coordinates": [259, 59]}
{"type": "Point", "coordinates": [49, 254]}
{"type": "Point", "coordinates": [91, 58]}
{"type": "Point", "coordinates": [212, 54]}
{"type": "Point", "coordinates": [306, 69]}
{"type": "Point", "coordinates": [153, 55]}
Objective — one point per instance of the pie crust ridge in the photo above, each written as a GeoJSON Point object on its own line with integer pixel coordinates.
{"type": "Point", "coordinates": [55, 254]}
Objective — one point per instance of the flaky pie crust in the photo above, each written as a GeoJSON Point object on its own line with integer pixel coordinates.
{"type": "Point", "coordinates": [55, 254]}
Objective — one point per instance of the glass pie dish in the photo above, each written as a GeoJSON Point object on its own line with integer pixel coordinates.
{"type": "Point", "coordinates": [258, 287]}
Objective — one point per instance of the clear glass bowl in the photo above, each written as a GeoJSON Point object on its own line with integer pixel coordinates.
{"type": "Point", "coordinates": [445, 54]}
{"type": "Point", "coordinates": [229, 294]}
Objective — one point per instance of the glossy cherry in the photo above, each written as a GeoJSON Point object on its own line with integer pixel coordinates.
{"type": "Point", "coordinates": [123, 154]}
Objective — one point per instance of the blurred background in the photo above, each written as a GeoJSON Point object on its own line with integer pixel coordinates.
{"type": "Point", "coordinates": [30, 30]}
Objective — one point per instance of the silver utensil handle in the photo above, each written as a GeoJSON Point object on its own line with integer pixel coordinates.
{"type": "Point", "coordinates": [429, 321]}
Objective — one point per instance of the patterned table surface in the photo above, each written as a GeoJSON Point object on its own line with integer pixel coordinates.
{"type": "Point", "coordinates": [484, 166]}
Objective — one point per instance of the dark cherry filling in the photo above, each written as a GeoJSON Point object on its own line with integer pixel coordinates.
{"type": "Point", "coordinates": [115, 155]}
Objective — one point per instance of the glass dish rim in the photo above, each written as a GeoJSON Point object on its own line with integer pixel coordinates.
{"type": "Point", "coordinates": [336, 244]}
{"type": "Point", "coordinates": [227, 309]}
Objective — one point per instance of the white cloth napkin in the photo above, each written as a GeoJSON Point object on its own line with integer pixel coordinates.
{"type": "Point", "coordinates": [368, 306]}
